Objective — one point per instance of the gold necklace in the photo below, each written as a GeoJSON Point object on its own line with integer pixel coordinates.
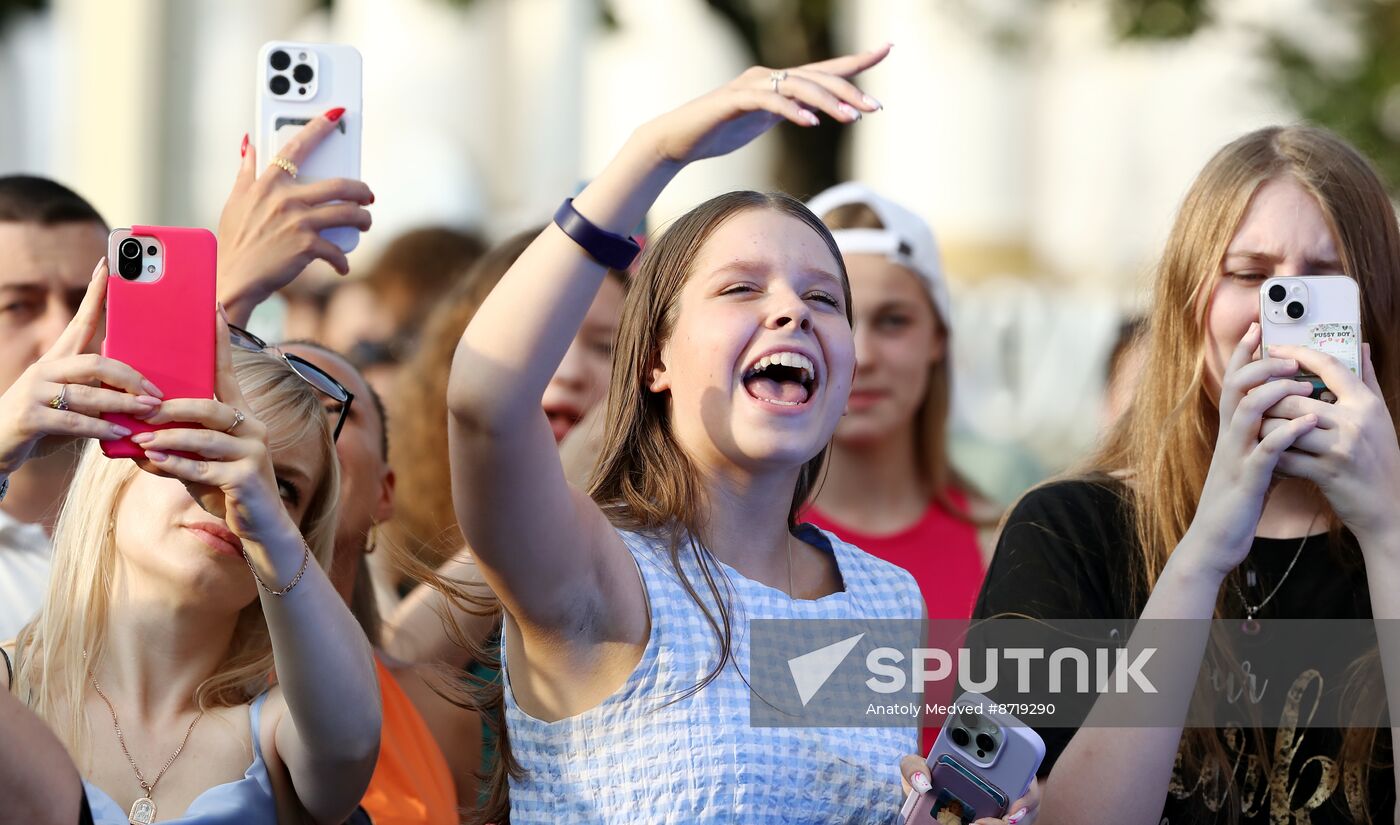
{"type": "Point", "coordinates": [143, 810]}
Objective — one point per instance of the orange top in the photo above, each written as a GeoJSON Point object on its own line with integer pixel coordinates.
{"type": "Point", "coordinates": [412, 784]}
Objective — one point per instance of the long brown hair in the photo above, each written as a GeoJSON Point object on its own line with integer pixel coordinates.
{"type": "Point", "coordinates": [644, 481]}
{"type": "Point", "coordinates": [1166, 438]}
{"type": "Point", "coordinates": [930, 422]}
{"type": "Point", "coordinates": [424, 523]}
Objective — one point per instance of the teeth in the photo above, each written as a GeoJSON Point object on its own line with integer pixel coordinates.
{"type": "Point", "coordinates": [787, 359]}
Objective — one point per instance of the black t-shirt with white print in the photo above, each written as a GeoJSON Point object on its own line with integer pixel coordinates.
{"type": "Point", "coordinates": [1067, 552]}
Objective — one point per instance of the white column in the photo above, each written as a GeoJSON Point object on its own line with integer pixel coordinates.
{"type": "Point", "coordinates": [106, 142]}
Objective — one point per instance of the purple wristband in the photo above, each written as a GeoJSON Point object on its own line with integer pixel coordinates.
{"type": "Point", "coordinates": [607, 248]}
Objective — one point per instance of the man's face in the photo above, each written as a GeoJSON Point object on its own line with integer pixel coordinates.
{"type": "Point", "coordinates": [44, 271]}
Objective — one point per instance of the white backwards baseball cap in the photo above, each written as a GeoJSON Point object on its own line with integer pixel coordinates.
{"type": "Point", "coordinates": [906, 239]}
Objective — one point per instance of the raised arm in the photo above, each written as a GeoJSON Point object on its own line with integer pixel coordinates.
{"type": "Point", "coordinates": [546, 549]}
{"type": "Point", "coordinates": [326, 703]}
{"type": "Point", "coordinates": [270, 229]}
{"type": "Point", "coordinates": [1126, 771]}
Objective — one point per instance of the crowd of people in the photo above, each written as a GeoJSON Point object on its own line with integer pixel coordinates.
{"type": "Point", "coordinates": [478, 539]}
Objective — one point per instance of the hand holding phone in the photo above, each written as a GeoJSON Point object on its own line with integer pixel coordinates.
{"type": "Point", "coordinates": [981, 762]}
{"type": "Point", "coordinates": [269, 231]}
{"type": "Point", "coordinates": [54, 401]}
{"type": "Point", "coordinates": [1320, 312]}
{"type": "Point", "coordinates": [296, 82]}
{"type": "Point", "coordinates": [160, 316]}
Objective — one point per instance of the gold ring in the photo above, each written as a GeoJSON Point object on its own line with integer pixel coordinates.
{"type": "Point", "coordinates": [286, 166]}
{"type": "Point", "coordinates": [60, 401]}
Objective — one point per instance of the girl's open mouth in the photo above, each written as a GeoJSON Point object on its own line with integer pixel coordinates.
{"type": "Point", "coordinates": [787, 379]}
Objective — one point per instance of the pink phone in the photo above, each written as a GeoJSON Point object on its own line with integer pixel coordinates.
{"type": "Point", "coordinates": [1320, 312]}
{"type": "Point", "coordinates": [982, 761]}
{"type": "Point", "coordinates": [160, 315]}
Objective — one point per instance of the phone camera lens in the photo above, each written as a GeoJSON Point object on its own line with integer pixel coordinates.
{"type": "Point", "coordinates": [1295, 310]}
{"type": "Point", "coordinates": [961, 737]}
{"type": "Point", "coordinates": [279, 85]}
{"type": "Point", "coordinates": [985, 742]}
{"type": "Point", "coordinates": [131, 248]}
{"type": "Point", "coordinates": [151, 250]}
{"type": "Point", "coordinates": [303, 73]}
{"type": "Point", "coordinates": [280, 60]}
{"type": "Point", "coordinates": [1277, 293]}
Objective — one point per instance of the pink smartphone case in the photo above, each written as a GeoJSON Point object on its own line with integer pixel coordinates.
{"type": "Point", "coordinates": [165, 329]}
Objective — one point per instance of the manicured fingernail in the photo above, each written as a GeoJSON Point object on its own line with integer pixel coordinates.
{"type": "Point", "coordinates": [810, 117]}
{"type": "Point", "coordinates": [873, 103]}
{"type": "Point", "coordinates": [1253, 327]}
{"type": "Point", "coordinates": [243, 150]}
{"type": "Point", "coordinates": [1016, 817]}
{"type": "Point", "coordinates": [334, 114]}
{"type": "Point", "coordinates": [152, 389]}
{"type": "Point", "coordinates": [120, 431]}
{"type": "Point", "coordinates": [96, 269]}
{"type": "Point", "coordinates": [156, 455]}
{"type": "Point", "coordinates": [920, 782]}
{"type": "Point", "coordinates": [149, 400]}
{"type": "Point", "coordinates": [142, 438]}
{"type": "Point", "coordinates": [848, 111]}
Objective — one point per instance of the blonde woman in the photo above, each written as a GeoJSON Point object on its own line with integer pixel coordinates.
{"type": "Point", "coordinates": [176, 591]}
{"type": "Point", "coordinates": [1222, 493]}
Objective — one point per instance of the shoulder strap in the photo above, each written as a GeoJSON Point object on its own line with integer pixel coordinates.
{"type": "Point", "coordinates": [9, 669]}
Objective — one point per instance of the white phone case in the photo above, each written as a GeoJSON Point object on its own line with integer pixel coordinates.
{"type": "Point", "coordinates": [334, 80]}
{"type": "Point", "coordinates": [1330, 318]}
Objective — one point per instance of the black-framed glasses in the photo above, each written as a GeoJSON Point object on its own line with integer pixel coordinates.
{"type": "Point", "coordinates": [318, 378]}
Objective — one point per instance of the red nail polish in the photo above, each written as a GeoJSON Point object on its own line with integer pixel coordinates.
{"type": "Point", "coordinates": [243, 150]}
{"type": "Point", "coordinates": [334, 114]}
{"type": "Point", "coordinates": [371, 198]}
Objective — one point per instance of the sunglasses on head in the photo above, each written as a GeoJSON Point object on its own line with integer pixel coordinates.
{"type": "Point", "coordinates": [307, 371]}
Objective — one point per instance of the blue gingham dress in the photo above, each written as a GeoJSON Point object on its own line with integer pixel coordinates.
{"type": "Point", "coordinates": [635, 759]}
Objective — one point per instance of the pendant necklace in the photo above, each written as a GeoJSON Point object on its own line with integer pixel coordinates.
{"type": "Point", "coordinates": [143, 810]}
{"type": "Point", "coordinates": [1250, 626]}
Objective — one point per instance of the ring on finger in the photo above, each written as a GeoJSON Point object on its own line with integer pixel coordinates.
{"type": "Point", "coordinates": [286, 166]}
{"type": "Point", "coordinates": [60, 401]}
{"type": "Point", "coordinates": [778, 76]}
{"type": "Point", "coordinates": [238, 418]}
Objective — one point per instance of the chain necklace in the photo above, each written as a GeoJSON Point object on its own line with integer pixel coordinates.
{"type": "Point", "coordinates": [1250, 625]}
{"type": "Point", "coordinates": [143, 810]}
{"type": "Point", "coordinates": [791, 594]}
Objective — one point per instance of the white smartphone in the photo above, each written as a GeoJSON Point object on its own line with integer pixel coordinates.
{"type": "Point", "coordinates": [296, 82]}
{"type": "Point", "coordinates": [1320, 312]}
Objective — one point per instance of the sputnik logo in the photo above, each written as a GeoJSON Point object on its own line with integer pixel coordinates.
{"type": "Point", "coordinates": [811, 670]}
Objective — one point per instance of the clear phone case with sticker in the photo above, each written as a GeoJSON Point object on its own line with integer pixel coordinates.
{"type": "Point", "coordinates": [1320, 312]}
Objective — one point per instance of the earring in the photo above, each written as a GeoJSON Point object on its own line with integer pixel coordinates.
{"type": "Point", "coordinates": [373, 539]}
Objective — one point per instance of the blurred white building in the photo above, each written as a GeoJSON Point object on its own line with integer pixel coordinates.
{"type": "Point", "coordinates": [1050, 172]}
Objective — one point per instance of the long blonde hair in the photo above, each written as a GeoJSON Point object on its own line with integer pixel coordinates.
{"type": "Point", "coordinates": [1166, 438]}
{"type": "Point", "coordinates": [52, 676]}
